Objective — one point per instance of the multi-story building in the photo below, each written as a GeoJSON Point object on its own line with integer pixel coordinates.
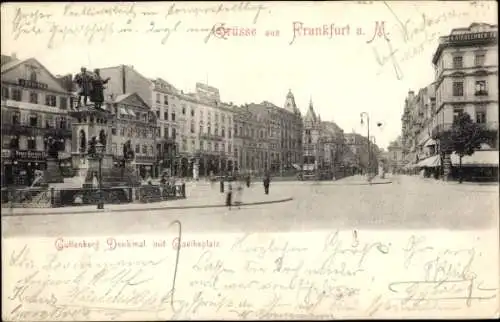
{"type": "Point", "coordinates": [395, 156]}
{"type": "Point", "coordinates": [133, 120]}
{"type": "Point", "coordinates": [251, 138]}
{"type": "Point", "coordinates": [364, 158]}
{"type": "Point", "coordinates": [210, 131]}
{"type": "Point", "coordinates": [466, 80]}
{"type": "Point", "coordinates": [268, 137]}
{"type": "Point", "coordinates": [291, 132]}
{"type": "Point", "coordinates": [34, 111]}
{"type": "Point", "coordinates": [169, 105]}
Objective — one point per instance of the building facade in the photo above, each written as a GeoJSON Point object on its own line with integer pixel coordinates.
{"type": "Point", "coordinates": [466, 81]}
{"type": "Point", "coordinates": [209, 128]}
{"type": "Point", "coordinates": [133, 120]}
{"type": "Point", "coordinates": [34, 111]}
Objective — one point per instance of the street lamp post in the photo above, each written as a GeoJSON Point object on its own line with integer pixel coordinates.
{"type": "Point", "coordinates": [368, 135]}
{"type": "Point", "coordinates": [99, 149]}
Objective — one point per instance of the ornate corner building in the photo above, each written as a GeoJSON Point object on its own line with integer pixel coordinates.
{"type": "Point", "coordinates": [466, 81]}
{"type": "Point", "coordinates": [35, 107]}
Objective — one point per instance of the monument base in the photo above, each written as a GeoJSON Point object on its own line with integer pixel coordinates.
{"type": "Point", "coordinates": [111, 176]}
{"type": "Point", "coordinates": [52, 174]}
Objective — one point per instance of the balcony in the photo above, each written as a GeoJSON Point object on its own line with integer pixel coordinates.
{"type": "Point", "coordinates": [26, 129]}
{"type": "Point", "coordinates": [481, 93]}
{"type": "Point", "coordinates": [207, 136]}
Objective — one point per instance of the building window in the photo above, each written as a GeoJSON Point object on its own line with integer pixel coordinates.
{"type": "Point", "coordinates": [63, 103]}
{"type": "Point", "coordinates": [183, 110]}
{"type": "Point", "coordinates": [165, 132]}
{"type": "Point", "coordinates": [229, 133]}
{"type": "Point", "coordinates": [165, 116]}
{"type": "Point", "coordinates": [458, 62]}
{"type": "Point", "coordinates": [174, 134]}
{"type": "Point", "coordinates": [17, 94]}
{"type": "Point", "coordinates": [5, 93]}
{"type": "Point", "coordinates": [481, 88]}
{"type": "Point", "coordinates": [15, 118]}
{"type": "Point", "coordinates": [158, 114]}
{"type": "Point", "coordinates": [137, 148]}
{"type": "Point", "coordinates": [457, 111]}
{"type": "Point", "coordinates": [458, 88]}
{"type": "Point", "coordinates": [223, 132]}
{"type": "Point", "coordinates": [173, 116]}
{"type": "Point", "coordinates": [165, 100]}
{"type": "Point", "coordinates": [50, 100]}
{"type": "Point", "coordinates": [209, 130]}
{"type": "Point", "coordinates": [192, 127]}
{"type": "Point", "coordinates": [201, 129]}
{"type": "Point", "coordinates": [34, 97]}
{"type": "Point", "coordinates": [192, 112]}
{"type": "Point", "coordinates": [481, 115]}
{"type": "Point", "coordinates": [33, 76]}
{"type": "Point", "coordinates": [31, 143]}
{"type": "Point", "coordinates": [113, 131]}
{"type": "Point", "coordinates": [158, 98]}
{"type": "Point", "coordinates": [479, 59]}
{"type": "Point", "coordinates": [33, 120]}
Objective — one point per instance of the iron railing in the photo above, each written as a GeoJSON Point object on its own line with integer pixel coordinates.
{"type": "Point", "coordinates": [53, 198]}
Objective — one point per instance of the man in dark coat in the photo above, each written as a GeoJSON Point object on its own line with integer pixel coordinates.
{"type": "Point", "coordinates": [84, 82]}
{"type": "Point", "coordinates": [97, 95]}
{"type": "Point", "coordinates": [267, 181]}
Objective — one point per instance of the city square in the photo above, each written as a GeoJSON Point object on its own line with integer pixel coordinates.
{"type": "Point", "coordinates": [271, 173]}
{"type": "Point", "coordinates": [399, 202]}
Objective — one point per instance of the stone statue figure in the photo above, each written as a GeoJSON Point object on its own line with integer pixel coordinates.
{"type": "Point", "coordinates": [97, 92]}
{"type": "Point", "coordinates": [84, 82]}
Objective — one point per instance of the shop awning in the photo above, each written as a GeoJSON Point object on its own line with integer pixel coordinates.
{"type": "Point", "coordinates": [430, 162]}
{"type": "Point", "coordinates": [477, 159]}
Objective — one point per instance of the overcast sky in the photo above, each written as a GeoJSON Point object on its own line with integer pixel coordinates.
{"type": "Point", "coordinates": [341, 74]}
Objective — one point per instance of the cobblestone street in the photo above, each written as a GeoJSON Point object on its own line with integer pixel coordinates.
{"type": "Point", "coordinates": [406, 203]}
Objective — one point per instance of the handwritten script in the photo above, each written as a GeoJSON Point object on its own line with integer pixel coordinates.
{"type": "Point", "coordinates": [100, 23]}
{"type": "Point", "coordinates": [251, 276]}
{"type": "Point", "coordinates": [416, 34]}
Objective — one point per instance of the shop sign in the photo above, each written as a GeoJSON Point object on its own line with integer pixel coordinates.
{"type": "Point", "coordinates": [32, 84]}
{"type": "Point", "coordinates": [490, 35]}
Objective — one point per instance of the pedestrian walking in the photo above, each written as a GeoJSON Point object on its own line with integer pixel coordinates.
{"type": "Point", "coordinates": [221, 184]}
{"type": "Point", "coordinates": [267, 181]}
{"type": "Point", "coordinates": [248, 181]}
{"type": "Point", "coordinates": [238, 194]}
{"type": "Point", "coordinates": [229, 195]}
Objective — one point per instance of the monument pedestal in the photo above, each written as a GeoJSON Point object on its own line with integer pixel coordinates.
{"type": "Point", "coordinates": [52, 174]}
{"type": "Point", "coordinates": [111, 176]}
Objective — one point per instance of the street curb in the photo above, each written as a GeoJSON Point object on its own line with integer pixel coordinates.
{"type": "Point", "coordinates": [355, 184]}
{"type": "Point", "coordinates": [144, 209]}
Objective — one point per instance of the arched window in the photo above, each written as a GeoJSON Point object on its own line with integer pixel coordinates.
{"type": "Point", "coordinates": [83, 140]}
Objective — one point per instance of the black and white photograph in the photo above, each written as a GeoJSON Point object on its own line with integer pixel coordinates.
{"type": "Point", "coordinates": [249, 160]}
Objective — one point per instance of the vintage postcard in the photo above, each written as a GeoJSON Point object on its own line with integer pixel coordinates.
{"type": "Point", "coordinates": [249, 160]}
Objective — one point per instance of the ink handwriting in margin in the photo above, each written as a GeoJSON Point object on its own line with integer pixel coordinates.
{"type": "Point", "coordinates": [409, 29]}
{"type": "Point", "coordinates": [63, 287]}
